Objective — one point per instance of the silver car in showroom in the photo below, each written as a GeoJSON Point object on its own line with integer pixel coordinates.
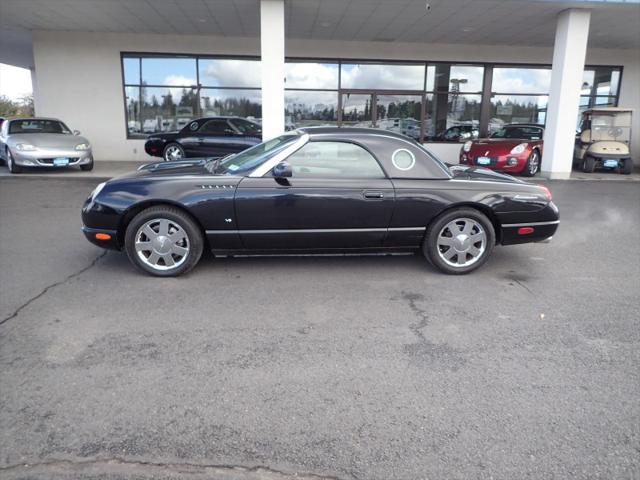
{"type": "Point", "coordinates": [42, 142]}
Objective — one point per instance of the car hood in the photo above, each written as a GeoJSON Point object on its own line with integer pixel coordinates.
{"type": "Point", "coordinates": [195, 167]}
{"type": "Point", "coordinates": [48, 140]}
{"type": "Point", "coordinates": [507, 143]}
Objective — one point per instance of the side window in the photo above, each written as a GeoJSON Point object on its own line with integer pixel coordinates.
{"type": "Point", "coordinates": [334, 160]}
{"type": "Point", "coordinates": [215, 127]}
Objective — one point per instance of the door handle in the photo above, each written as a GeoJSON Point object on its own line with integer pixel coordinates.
{"type": "Point", "coordinates": [373, 195]}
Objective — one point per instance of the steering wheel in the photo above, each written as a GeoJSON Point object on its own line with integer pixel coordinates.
{"type": "Point", "coordinates": [615, 132]}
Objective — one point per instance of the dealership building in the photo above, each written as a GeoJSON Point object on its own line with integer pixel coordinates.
{"type": "Point", "coordinates": [439, 71]}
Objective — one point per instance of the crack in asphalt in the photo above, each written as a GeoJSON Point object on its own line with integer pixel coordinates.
{"type": "Point", "coordinates": [72, 466]}
{"type": "Point", "coordinates": [17, 311]}
{"type": "Point", "coordinates": [416, 328]}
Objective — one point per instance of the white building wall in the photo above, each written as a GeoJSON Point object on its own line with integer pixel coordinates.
{"type": "Point", "coordinates": [80, 78]}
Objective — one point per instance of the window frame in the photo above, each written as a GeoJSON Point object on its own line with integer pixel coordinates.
{"type": "Point", "coordinates": [485, 94]}
{"type": "Point", "coordinates": [311, 141]}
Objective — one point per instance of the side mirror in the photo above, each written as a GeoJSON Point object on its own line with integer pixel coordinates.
{"type": "Point", "coordinates": [76, 132]}
{"type": "Point", "coordinates": [282, 170]}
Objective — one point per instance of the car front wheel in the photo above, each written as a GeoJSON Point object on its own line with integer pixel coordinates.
{"type": "Point", "coordinates": [532, 167]}
{"type": "Point", "coordinates": [172, 152]}
{"type": "Point", "coordinates": [459, 241]}
{"type": "Point", "coordinates": [11, 164]}
{"type": "Point", "coordinates": [163, 241]}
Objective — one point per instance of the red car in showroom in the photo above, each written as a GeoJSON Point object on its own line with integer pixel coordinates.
{"type": "Point", "coordinates": [515, 148]}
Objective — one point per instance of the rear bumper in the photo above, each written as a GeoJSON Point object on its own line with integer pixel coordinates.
{"type": "Point", "coordinates": [542, 232]}
{"type": "Point", "coordinates": [537, 227]}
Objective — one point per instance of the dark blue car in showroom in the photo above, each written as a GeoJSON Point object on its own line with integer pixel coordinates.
{"type": "Point", "coordinates": [205, 137]}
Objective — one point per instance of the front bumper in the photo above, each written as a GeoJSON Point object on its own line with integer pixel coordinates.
{"type": "Point", "coordinates": [94, 236]}
{"type": "Point", "coordinates": [503, 163]}
{"type": "Point", "coordinates": [44, 157]}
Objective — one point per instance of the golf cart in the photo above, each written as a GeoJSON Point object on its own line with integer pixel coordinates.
{"type": "Point", "coordinates": [604, 140]}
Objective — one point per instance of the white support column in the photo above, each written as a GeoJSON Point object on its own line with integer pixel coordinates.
{"type": "Point", "coordinates": [34, 89]}
{"type": "Point", "coordinates": [569, 51]}
{"type": "Point", "coordinates": [272, 52]}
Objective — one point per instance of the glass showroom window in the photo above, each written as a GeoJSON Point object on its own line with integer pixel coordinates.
{"type": "Point", "coordinates": [306, 108]}
{"type": "Point", "coordinates": [164, 109]}
{"type": "Point", "coordinates": [132, 101]}
{"type": "Point", "coordinates": [382, 76]}
{"type": "Point", "coordinates": [519, 95]}
{"type": "Point", "coordinates": [311, 95]}
{"type": "Point", "coordinates": [164, 93]}
{"type": "Point", "coordinates": [454, 102]}
{"type": "Point", "coordinates": [507, 109]}
{"type": "Point", "coordinates": [235, 102]}
{"type": "Point", "coordinates": [600, 87]}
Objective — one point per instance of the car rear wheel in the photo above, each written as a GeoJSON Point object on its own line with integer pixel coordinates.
{"type": "Point", "coordinates": [11, 164]}
{"type": "Point", "coordinates": [459, 241]}
{"type": "Point", "coordinates": [532, 167]}
{"type": "Point", "coordinates": [163, 241]}
{"type": "Point", "coordinates": [172, 152]}
{"type": "Point", "coordinates": [589, 165]}
{"type": "Point", "coordinates": [627, 166]}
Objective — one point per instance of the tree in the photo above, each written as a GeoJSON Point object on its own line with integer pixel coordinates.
{"type": "Point", "coordinates": [16, 108]}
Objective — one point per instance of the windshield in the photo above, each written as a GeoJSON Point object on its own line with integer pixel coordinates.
{"type": "Point", "coordinates": [528, 133]}
{"type": "Point", "coordinates": [37, 126]}
{"type": "Point", "coordinates": [246, 161]}
{"type": "Point", "coordinates": [245, 126]}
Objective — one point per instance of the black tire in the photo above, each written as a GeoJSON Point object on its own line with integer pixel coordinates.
{"type": "Point", "coordinates": [13, 168]}
{"type": "Point", "coordinates": [176, 218]}
{"type": "Point", "coordinates": [627, 167]}
{"type": "Point", "coordinates": [87, 167]}
{"type": "Point", "coordinates": [171, 147]}
{"type": "Point", "coordinates": [532, 167]}
{"type": "Point", "coordinates": [435, 252]}
{"type": "Point", "coordinates": [589, 165]}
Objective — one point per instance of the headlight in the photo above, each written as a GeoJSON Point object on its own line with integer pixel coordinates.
{"type": "Point", "coordinates": [519, 148]}
{"type": "Point", "coordinates": [25, 147]}
{"type": "Point", "coordinates": [83, 146]}
{"type": "Point", "coordinates": [97, 190]}
{"type": "Point", "coordinates": [467, 146]}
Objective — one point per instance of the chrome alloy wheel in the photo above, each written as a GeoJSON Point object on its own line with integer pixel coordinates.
{"type": "Point", "coordinates": [173, 152]}
{"type": "Point", "coordinates": [162, 244]}
{"type": "Point", "coordinates": [534, 163]}
{"type": "Point", "coordinates": [461, 242]}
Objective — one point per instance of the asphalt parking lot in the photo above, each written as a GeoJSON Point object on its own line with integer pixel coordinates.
{"type": "Point", "coordinates": [320, 367]}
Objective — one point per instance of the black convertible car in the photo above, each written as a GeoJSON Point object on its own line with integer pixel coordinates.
{"type": "Point", "coordinates": [316, 190]}
{"type": "Point", "coordinates": [205, 137]}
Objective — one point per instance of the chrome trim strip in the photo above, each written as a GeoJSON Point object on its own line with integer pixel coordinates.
{"type": "Point", "coordinates": [532, 224]}
{"type": "Point", "coordinates": [321, 230]}
{"type": "Point", "coordinates": [299, 230]}
{"type": "Point", "coordinates": [407, 229]}
{"type": "Point", "coordinates": [261, 170]}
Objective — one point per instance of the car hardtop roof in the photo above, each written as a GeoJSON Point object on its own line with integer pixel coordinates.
{"type": "Point", "coordinates": [35, 118]}
{"type": "Point", "coordinates": [349, 131]}
{"type": "Point", "coordinates": [608, 110]}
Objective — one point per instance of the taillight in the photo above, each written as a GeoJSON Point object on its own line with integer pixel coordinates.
{"type": "Point", "coordinates": [547, 192]}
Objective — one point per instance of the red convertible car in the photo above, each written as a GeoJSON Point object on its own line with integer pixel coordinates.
{"type": "Point", "coordinates": [515, 148]}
